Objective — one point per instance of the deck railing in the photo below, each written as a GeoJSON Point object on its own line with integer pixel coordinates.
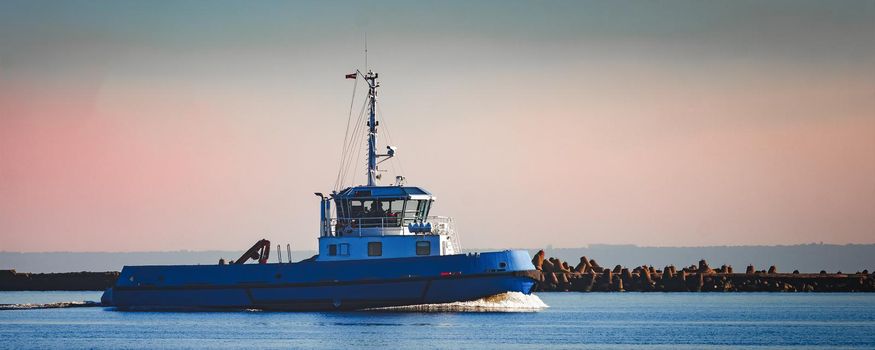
{"type": "Point", "coordinates": [440, 225]}
{"type": "Point", "coordinates": [444, 225]}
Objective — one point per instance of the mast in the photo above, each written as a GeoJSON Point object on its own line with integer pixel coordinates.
{"type": "Point", "coordinates": [371, 79]}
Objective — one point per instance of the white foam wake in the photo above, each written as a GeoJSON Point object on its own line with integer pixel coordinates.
{"type": "Point", "coordinates": [504, 302]}
{"type": "Point", "coordinates": [57, 305]}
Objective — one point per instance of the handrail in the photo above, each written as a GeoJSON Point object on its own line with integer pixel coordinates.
{"type": "Point", "coordinates": [382, 222]}
{"type": "Point", "coordinates": [441, 226]}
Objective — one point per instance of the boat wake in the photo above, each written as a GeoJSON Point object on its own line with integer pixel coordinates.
{"type": "Point", "coordinates": [58, 305]}
{"type": "Point", "coordinates": [504, 302]}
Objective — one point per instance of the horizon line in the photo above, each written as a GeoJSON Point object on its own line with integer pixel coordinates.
{"type": "Point", "coordinates": [588, 246]}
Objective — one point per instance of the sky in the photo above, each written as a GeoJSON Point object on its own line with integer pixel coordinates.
{"type": "Point", "coordinates": [198, 125]}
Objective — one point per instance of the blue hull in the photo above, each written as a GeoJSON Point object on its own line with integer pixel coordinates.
{"type": "Point", "coordinates": [315, 285]}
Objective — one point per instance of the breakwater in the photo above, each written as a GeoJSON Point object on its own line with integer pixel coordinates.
{"type": "Point", "coordinates": [556, 276]}
{"type": "Point", "coordinates": [589, 276]}
{"type": "Point", "coordinates": [11, 280]}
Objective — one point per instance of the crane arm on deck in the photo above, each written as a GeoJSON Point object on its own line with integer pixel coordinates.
{"type": "Point", "coordinates": [260, 251]}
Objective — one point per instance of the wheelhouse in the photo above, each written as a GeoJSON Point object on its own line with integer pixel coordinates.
{"type": "Point", "coordinates": [375, 210]}
{"type": "Point", "coordinates": [374, 222]}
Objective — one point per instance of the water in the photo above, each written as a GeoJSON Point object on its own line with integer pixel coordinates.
{"type": "Point", "coordinates": [573, 320]}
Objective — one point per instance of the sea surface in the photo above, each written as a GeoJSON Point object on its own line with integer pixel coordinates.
{"type": "Point", "coordinates": [572, 321]}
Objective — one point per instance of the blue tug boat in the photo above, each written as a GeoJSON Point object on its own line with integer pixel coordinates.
{"type": "Point", "coordinates": [381, 249]}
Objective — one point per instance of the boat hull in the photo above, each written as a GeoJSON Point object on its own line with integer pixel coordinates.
{"type": "Point", "coordinates": [317, 285]}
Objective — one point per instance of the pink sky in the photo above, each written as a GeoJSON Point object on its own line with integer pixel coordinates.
{"type": "Point", "coordinates": [124, 143]}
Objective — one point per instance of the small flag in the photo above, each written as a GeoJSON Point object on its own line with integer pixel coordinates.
{"type": "Point", "coordinates": [350, 76]}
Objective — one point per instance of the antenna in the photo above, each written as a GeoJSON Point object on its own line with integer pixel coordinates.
{"type": "Point", "coordinates": [366, 52]}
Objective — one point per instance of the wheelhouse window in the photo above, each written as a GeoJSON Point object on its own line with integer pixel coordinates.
{"type": "Point", "coordinates": [356, 209]}
{"type": "Point", "coordinates": [375, 248]}
{"type": "Point", "coordinates": [362, 212]}
{"type": "Point", "coordinates": [394, 212]}
{"type": "Point", "coordinates": [373, 213]}
{"type": "Point", "coordinates": [332, 249]}
{"type": "Point", "coordinates": [412, 209]}
{"type": "Point", "coordinates": [423, 248]}
{"type": "Point", "coordinates": [369, 212]}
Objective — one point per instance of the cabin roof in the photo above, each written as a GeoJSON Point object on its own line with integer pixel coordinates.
{"type": "Point", "coordinates": [395, 192]}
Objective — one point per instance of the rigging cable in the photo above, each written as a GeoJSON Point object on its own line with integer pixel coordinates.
{"type": "Point", "coordinates": [362, 142]}
{"type": "Point", "coordinates": [356, 139]}
{"type": "Point", "coordinates": [346, 134]}
{"type": "Point", "coordinates": [354, 135]}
